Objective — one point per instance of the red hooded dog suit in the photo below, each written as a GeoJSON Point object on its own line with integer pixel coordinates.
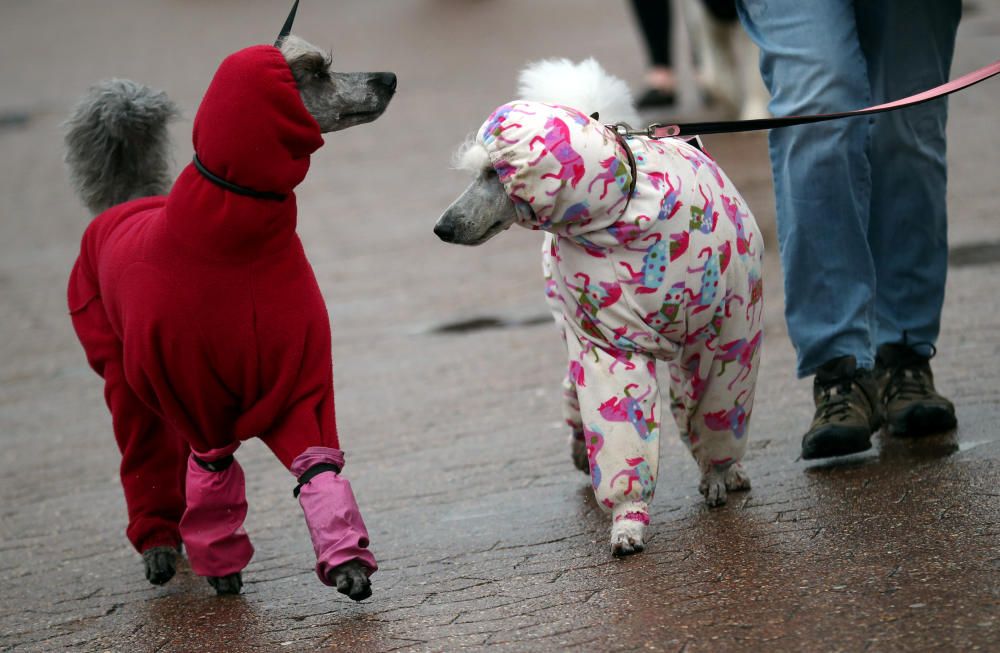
{"type": "Point", "coordinates": [204, 317]}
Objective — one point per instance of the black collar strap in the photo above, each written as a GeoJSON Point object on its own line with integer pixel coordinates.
{"type": "Point", "coordinates": [620, 132]}
{"type": "Point", "coordinates": [286, 29]}
{"type": "Point", "coordinates": [236, 188]}
{"type": "Point", "coordinates": [311, 472]}
{"type": "Point", "coordinates": [216, 465]}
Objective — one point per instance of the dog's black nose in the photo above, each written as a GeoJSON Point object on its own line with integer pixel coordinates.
{"type": "Point", "coordinates": [386, 79]}
{"type": "Point", "coordinates": [444, 231]}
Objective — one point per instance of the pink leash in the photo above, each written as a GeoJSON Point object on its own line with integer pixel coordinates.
{"type": "Point", "coordinates": [657, 130]}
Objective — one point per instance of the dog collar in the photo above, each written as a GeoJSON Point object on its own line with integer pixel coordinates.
{"type": "Point", "coordinates": [286, 29]}
{"type": "Point", "coordinates": [217, 465]}
{"type": "Point", "coordinates": [236, 188]}
{"type": "Point", "coordinates": [620, 130]}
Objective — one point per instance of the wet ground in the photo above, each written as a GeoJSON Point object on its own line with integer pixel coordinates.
{"type": "Point", "coordinates": [486, 535]}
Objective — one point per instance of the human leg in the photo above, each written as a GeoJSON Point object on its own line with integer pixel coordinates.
{"type": "Point", "coordinates": [655, 23]}
{"type": "Point", "coordinates": [908, 47]}
{"type": "Point", "coordinates": [812, 62]}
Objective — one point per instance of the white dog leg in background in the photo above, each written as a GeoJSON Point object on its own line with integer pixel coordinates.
{"type": "Point", "coordinates": [728, 62]}
{"type": "Point", "coordinates": [711, 42]}
{"type": "Point", "coordinates": [755, 94]}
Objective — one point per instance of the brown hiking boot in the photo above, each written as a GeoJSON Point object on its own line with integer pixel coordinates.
{"type": "Point", "coordinates": [847, 410]}
{"type": "Point", "coordinates": [906, 387]}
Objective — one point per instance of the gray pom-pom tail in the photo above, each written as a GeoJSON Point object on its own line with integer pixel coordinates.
{"type": "Point", "coordinates": [117, 145]}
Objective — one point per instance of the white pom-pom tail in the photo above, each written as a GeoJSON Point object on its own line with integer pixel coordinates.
{"type": "Point", "coordinates": [584, 86]}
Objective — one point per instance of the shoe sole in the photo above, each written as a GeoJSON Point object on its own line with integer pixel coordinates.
{"type": "Point", "coordinates": [920, 421]}
{"type": "Point", "coordinates": [835, 442]}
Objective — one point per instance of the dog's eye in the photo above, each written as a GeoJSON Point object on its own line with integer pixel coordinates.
{"type": "Point", "coordinates": [321, 75]}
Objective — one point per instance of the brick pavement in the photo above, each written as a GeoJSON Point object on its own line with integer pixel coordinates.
{"type": "Point", "coordinates": [487, 537]}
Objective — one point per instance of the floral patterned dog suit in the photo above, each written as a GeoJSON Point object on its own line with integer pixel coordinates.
{"type": "Point", "coordinates": [671, 274]}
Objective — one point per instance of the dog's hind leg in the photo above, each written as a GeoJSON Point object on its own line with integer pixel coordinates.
{"type": "Point", "coordinates": [153, 457]}
{"type": "Point", "coordinates": [712, 400]}
{"type": "Point", "coordinates": [618, 407]}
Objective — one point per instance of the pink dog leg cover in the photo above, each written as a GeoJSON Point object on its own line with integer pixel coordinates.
{"type": "Point", "coordinates": [212, 525]}
{"type": "Point", "coordinates": [338, 532]}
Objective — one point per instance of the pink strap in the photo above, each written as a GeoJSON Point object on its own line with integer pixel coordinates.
{"type": "Point", "coordinates": [722, 127]}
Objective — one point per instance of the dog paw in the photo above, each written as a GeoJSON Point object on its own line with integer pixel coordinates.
{"type": "Point", "coordinates": [351, 578]}
{"type": "Point", "coordinates": [736, 478]}
{"type": "Point", "coordinates": [160, 563]}
{"type": "Point", "coordinates": [713, 486]}
{"type": "Point", "coordinates": [626, 537]}
{"type": "Point", "coordinates": [231, 584]}
{"type": "Point", "coordinates": [718, 479]}
{"type": "Point", "coordinates": [578, 449]}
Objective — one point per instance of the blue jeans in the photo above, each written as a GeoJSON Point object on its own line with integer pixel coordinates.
{"type": "Point", "coordinates": [862, 220]}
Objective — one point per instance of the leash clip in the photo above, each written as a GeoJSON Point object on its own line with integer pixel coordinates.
{"type": "Point", "coordinates": [669, 131]}
{"type": "Point", "coordinates": [623, 129]}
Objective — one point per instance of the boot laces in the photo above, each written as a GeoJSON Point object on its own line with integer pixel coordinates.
{"type": "Point", "coordinates": [910, 379]}
{"type": "Point", "coordinates": [836, 399]}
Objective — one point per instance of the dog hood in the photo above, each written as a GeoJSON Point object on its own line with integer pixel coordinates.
{"type": "Point", "coordinates": [252, 131]}
{"type": "Point", "coordinates": [566, 172]}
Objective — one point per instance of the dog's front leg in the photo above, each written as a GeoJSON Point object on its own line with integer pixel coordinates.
{"type": "Point", "coordinates": [212, 526]}
{"type": "Point", "coordinates": [338, 533]}
{"type": "Point", "coordinates": [618, 397]}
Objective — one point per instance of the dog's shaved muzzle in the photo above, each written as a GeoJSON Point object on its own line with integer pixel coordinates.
{"type": "Point", "coordinates": [481, 212]}
{"type": "Point", "coordinates": [336, 100]}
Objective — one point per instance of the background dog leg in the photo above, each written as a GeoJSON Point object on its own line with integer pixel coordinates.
{"type": "Point", "coordinates": [755, 96]}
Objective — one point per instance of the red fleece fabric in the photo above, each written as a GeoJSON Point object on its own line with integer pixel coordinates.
{"type": "Point", "coordinates": [200, 309]}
